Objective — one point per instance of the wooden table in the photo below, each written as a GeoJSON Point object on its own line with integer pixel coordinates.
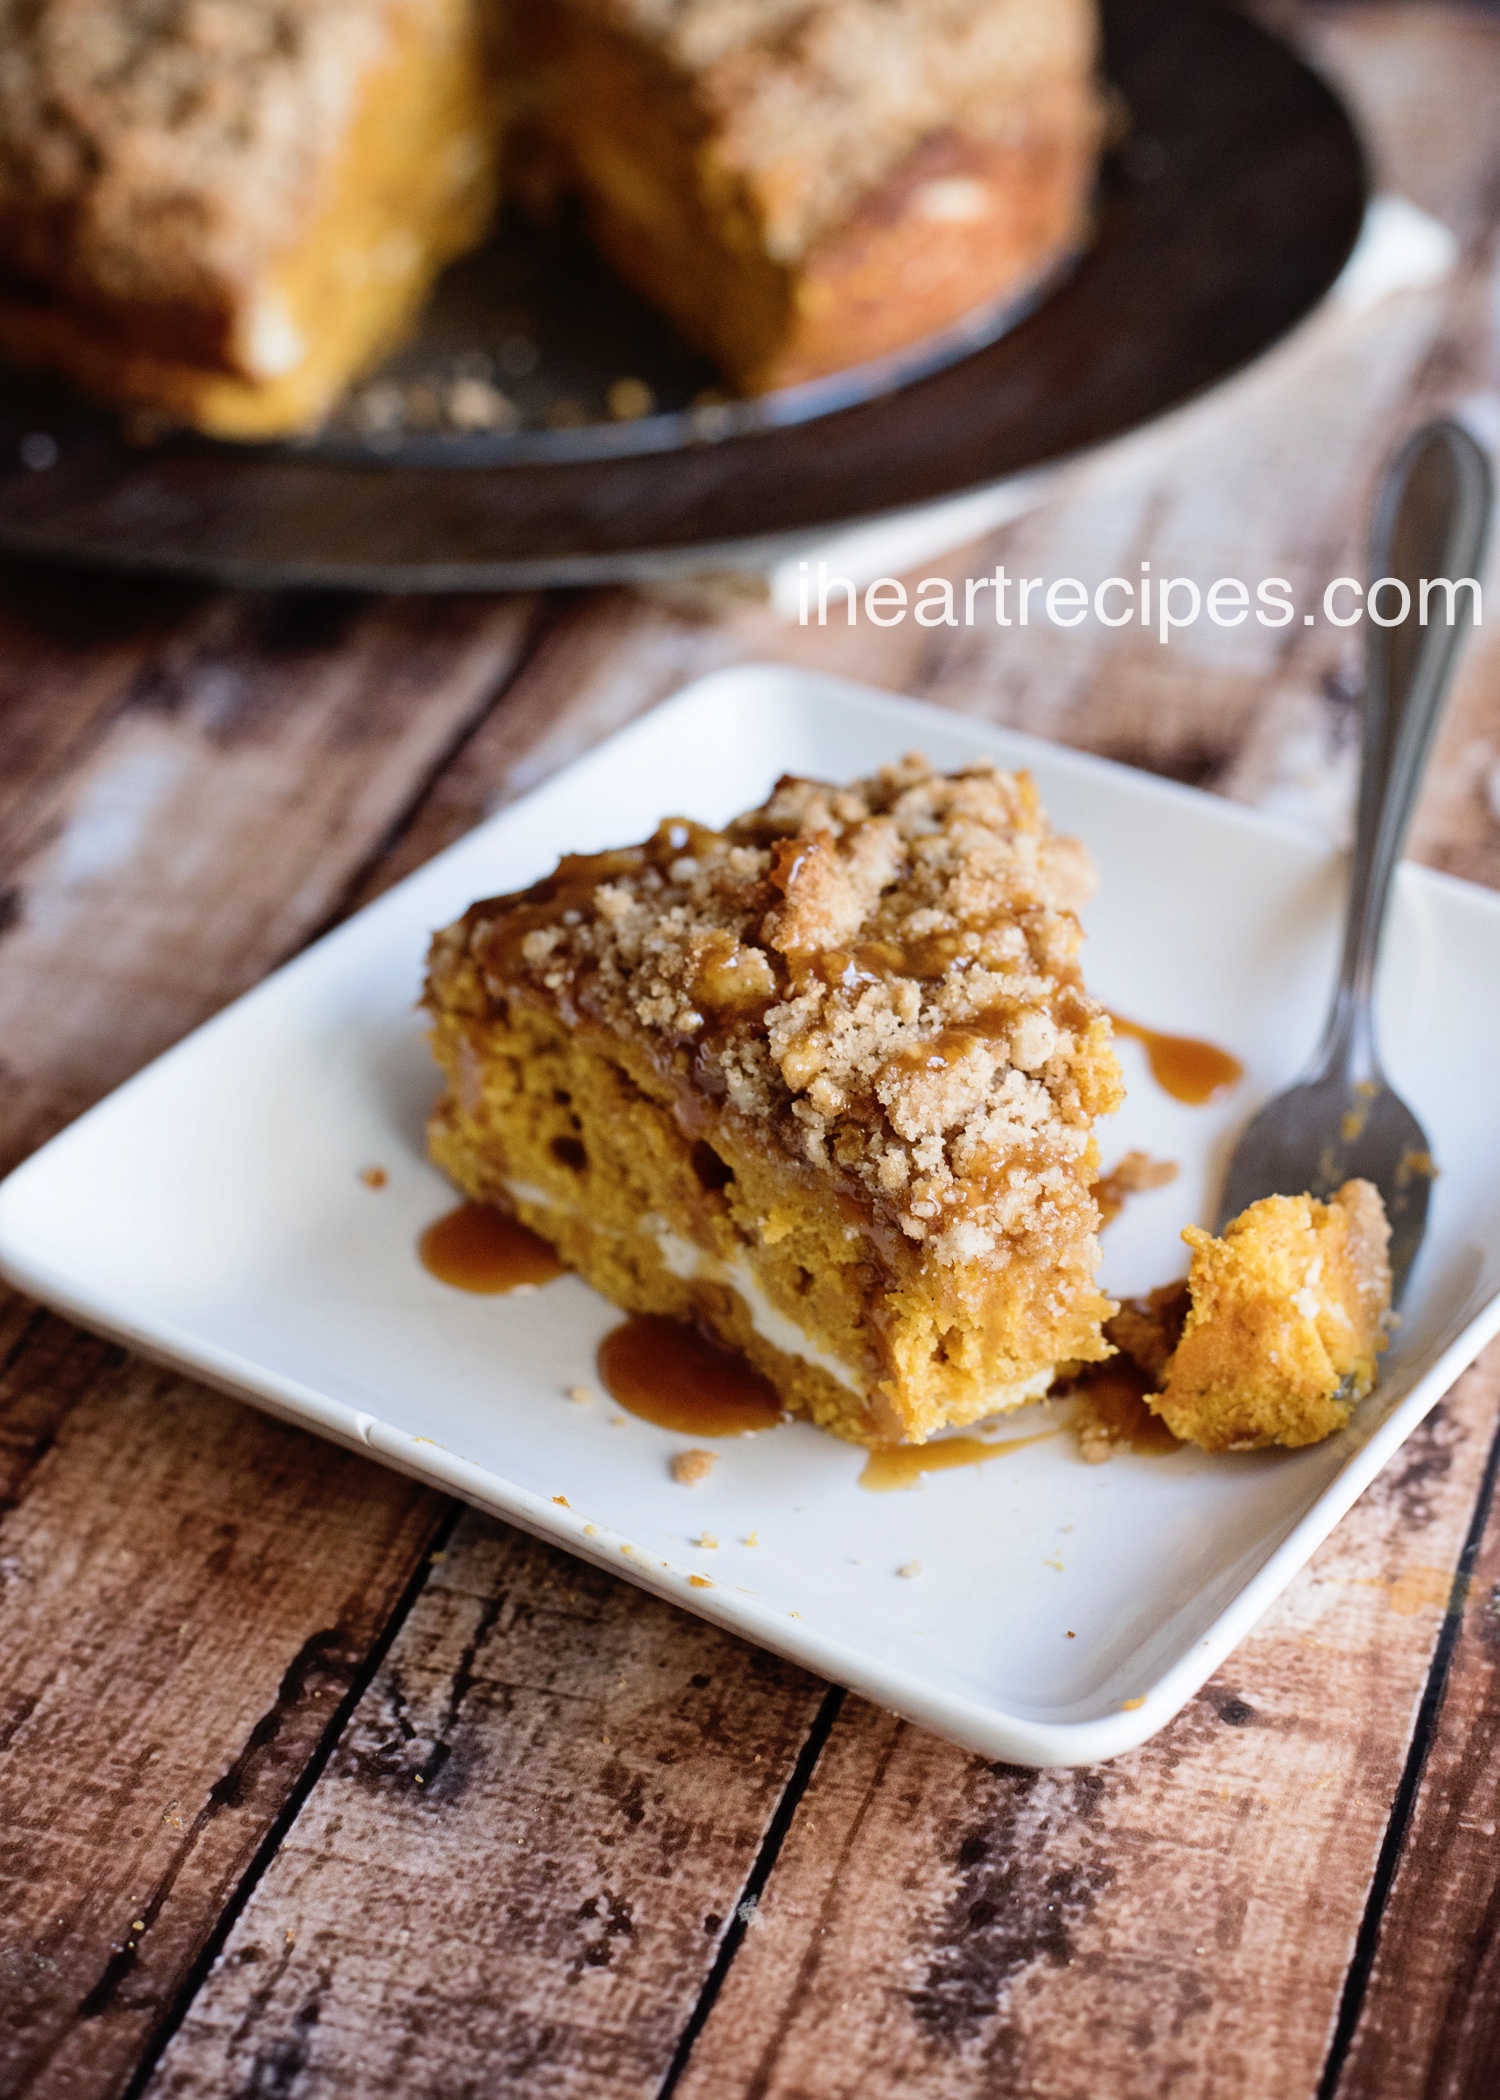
{"type": "Point", "coordinates": [315, 1784]}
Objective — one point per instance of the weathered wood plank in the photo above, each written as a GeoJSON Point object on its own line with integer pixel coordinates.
{"type": "Point", "coordinates": [68, 657]}
{"type": "Point", "coordinates": [1428, 2015]}
{"type": "Point", "coordinates": [516, 1871]}
{"type": "Point", "coordinates": [604, 659]}
{"type": "Point", "coordinates": [189, 1594]}
{"type": "Point", "coordinates": [189, 1590]}
{"type": "Point", "coordinates": [1178, 1921]}
{"type": "Point", "coordinates": [145, 887]}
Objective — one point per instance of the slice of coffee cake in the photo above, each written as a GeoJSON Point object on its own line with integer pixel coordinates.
{"type": "Point", "coordinates": [824, 1081]}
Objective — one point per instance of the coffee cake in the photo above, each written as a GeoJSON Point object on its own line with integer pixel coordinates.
{"type": "Point", "coordinates": [223, 211]}
{"type": "Point", "coordinates": [804, 187]}
{"type": "Point", "coordinates": [824, 1081]}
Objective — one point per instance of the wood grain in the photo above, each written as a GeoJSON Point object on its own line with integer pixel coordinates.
{"type": "Point", "coordinates": [67, 659]}
{"type": "Point", "coordinates": [144, 891]}
{"type": "Point", "coordinates": [516, 1872]}
{"type": "Point", "coordinates": [1429, 2014]}
{"type": "Point", "coordinates": [600, 661]}
{"type": "Point", "coordinates": [188, 1590]}
{"type": "Point", "coordinates": [1177, 1921]}
{"type": "Point", "coordinates": [172, 1653]}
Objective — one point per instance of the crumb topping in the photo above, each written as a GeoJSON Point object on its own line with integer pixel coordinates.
{"type": "Point", "coordinates": [880, 980]}
{"type": "Point", "coordinates": [816, 103]}
{"type": "Point", "coordinates": [165, 148]}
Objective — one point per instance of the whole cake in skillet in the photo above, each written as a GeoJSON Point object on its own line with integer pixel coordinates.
{"type": "Point", "coordinates": [824, 1081]}
{"type": "Point", "coordinates": [226, 210]}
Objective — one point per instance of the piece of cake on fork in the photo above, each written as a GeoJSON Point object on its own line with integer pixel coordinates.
{"type": "Point", "coordinates": [824, 1082]}
{"type": "Point", "coordinates": [1286, 1322]}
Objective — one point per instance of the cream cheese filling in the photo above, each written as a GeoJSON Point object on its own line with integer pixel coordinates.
{"type": "Point", "coordinates": [690, 1262]}
{"type": "Point", "coordinates": [693, 1264]}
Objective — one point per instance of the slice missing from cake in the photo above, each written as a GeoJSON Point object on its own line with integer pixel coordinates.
{"type": "Point", "coordinates": [221, 214]}
{"type": "Point", "coordinates": [824, 1081]}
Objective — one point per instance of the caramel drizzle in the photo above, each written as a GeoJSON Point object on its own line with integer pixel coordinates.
{"type": "Point", "coordinates": [892, 1466]}
{"type": "Point", "coordinates": [482, 1249]}
{"type": "Point", "coordinates": [1188, 1069]}
{"type": "Point", "coordinates": [670, 1374]}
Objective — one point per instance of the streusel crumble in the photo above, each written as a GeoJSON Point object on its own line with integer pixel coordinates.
{"type": "Point", "coordinates": [824, 1081]}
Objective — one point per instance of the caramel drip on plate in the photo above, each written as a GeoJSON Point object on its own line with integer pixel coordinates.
{"type": "Point", "coordinates": [667, 1373]}
{"type": "Point", "coordinates": [479, 1248]}
{"type": "Point", "coordinates": [1113, 1410]}
{"type": "Point", "coordinates": [1182, 1066]}
{"type": "Point", "coordinates": [902, 1465]}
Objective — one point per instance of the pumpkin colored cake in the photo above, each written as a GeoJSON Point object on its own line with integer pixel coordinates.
{"type": "Point", "coordinates": [802, 188]}
{"type": "Point", "coordinates": [824, 1082]}
{"type": "Point", "coordinates": [1285, 1323]}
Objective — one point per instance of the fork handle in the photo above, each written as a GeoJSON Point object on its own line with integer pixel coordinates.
{"type": "Point", "coordinates": [1431, 521]}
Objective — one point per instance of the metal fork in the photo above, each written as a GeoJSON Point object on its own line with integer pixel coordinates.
{"type": "Point", "coordinates": [1343, 1118]}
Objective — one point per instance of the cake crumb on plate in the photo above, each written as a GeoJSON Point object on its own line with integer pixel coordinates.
{"type": "Point", "coordinates": [689, 1467]}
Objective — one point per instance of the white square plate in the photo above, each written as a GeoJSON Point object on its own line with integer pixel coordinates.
{"type": "Point", "coordinates": [211, 1213]}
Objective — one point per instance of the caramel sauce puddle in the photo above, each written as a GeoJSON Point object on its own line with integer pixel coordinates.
{"type": "Point", "coordinates": [479, 1248]}
{"type": "Point", "coordinates": [892, 1466]}
{"type": "Point", "coordinates": [668, 1373]}
{"type": "Point", "coordinates": [1189, 1070]}
{"type": "Point", "coordinates": [1112, 1405]}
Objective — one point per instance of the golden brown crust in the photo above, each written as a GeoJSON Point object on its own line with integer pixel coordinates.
{"type": "Point", "coordinates": [959, 224]}
{"type": "Point", "coordinates": [812, 104]}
